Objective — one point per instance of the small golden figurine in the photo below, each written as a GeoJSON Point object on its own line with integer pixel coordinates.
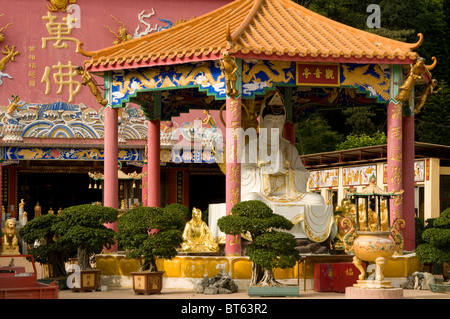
{"type": "Point", "coordinates": [197, 236]}
{"type": "Point", "coordinates": [229, 67]}
{"type": "Point", "coordinates": [89, 81]}
{"type": "Point", "coordinates": [414, 74]}
{"type": "Point", "coordinates": [429, 89]}
{"type": "Point", "coordinates": [10, 241]}
{"type": "Point", "coordinates": [123, 35]}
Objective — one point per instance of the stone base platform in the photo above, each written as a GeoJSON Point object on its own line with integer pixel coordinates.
{"type": "Point", "coordinates": [368, 293]}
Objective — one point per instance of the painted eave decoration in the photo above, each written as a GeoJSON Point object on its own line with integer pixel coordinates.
{"type": "Point", "coordinates": [254, 29]}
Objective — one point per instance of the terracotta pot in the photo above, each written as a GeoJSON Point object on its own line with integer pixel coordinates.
{"type": "Point", "coordinates": [89, 280]}
{"type": "Point", "coordinates": [147, 282]}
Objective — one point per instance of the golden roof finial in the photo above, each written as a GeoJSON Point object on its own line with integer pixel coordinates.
{"type": "Point", "coordinates": [432, 66]}
{"type": "Point", "coordinates": [419, 43]}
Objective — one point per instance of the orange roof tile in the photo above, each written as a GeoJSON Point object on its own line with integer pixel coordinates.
{"type": "Point", "coordinates": [264, 29]}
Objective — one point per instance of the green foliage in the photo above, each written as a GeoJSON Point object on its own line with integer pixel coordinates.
{"type": "Point", "coordinates": [433, 120]}
{"type": "Point", "coordinates": [179, 211]}
{"type": "Point", "coordinates": [274, 250]}
{"type": "Point", "coordinates": [84, 227]}
{"type": "Point", "coordinates": [51, 249]}
{"type": "Point", "coordinates": [436, 246]}
{"type": "Point", "coordinates": [362, 140]}
{"type": "Point", "coordinates": [269, 248]}
{"type": "Point", "coordinates": [314, 135]}
{"type": "Point", "coordinates": [149, 232]}
{"type": "Point", "coordinates": [419, 229]}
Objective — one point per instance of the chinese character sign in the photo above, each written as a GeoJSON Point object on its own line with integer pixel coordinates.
{"type": "Point", "coordinates": [318, 74]}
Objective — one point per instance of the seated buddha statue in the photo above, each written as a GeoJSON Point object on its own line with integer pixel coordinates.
{"type": "Point", "coordinates": [272, 171]}
{"type": "Point", "coordinates": [197, 237]}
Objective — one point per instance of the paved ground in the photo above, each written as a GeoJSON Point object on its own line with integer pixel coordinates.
{"type": "Point", "coordinates": [127, 293]}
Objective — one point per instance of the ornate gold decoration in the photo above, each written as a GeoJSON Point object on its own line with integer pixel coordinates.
{"type": "Point", "coordinates": [414, 74]}
{"type": "Point", "coordinates": [122, 35]}
{"type": "Point", "coordinates": [197, 236]}
{"type": "Point", "coordinates": [90, 82]}
{"type": "Point", "coordinates": [59, 31]}
{"type": "Point", "coordinates": [2, 37]}
{"type": "Point", "coordinates": [10, 241]}
{"type": "Point", "coordinates": [358, 76]}
{"type": "Point", "coordinates": [229, 68]}
{"type": "Point", "coordinates": [10, 55]}
{"type": "Point", "coordinates": [429, 89]}
{"type": "Point", "coordinates": [60, 5]}
{"type": "Point", "coordinates": [372, 241]}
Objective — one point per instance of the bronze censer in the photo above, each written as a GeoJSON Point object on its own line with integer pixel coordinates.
{"type": "Point", "coordinates": [370, 236]}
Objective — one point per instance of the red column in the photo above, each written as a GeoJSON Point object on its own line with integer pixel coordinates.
{"type": "Point", "coordinates": [408, 212]}
{"type": "Point", "coordinates": [144, 183]}
{"type": "Point", "coordinates": [153, 164]}
{"type": "Point", "coordinates": [394, 157]}
{"type": "Point", "coordinates": [233, 168]}
{"type": "Point", "coordinates": [111, 162]}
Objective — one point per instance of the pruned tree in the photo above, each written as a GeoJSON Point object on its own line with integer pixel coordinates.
{"type": "Point", "coordinates": [270, 248]}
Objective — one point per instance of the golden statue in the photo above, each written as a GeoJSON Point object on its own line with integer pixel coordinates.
{"type": "Point", "coordinates": [51, 211]}
{"type": "Point", "coordinates": [414, 74]}
{"type": "Point", "coordinates": [429, 89]}
{"type": "Point", "coordinates": [10, 241]}
{"type": "Point", "coordinates": [229, 67]}
{"type": "Point", "coordinates": [37, 210]}
{"type": "Point", "coordinates": [90, 82]}
{"type": "Point", "coordinates": [197, 236]}
{"type": "Point", "coordinates": [373, 218]}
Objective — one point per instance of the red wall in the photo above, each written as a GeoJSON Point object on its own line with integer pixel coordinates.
{"type": "Point", "coordinates": [28, 30]}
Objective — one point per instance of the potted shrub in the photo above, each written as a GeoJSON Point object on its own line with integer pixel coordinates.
{"type": "Point", "coordinates": [51, 250]}
{"type": "Point", "coordinates": [269, 248]}
{"type": "Point", "coordinates": [436, 241]}
{"type": "Point", "coordinates": [84, 227]}
{"type": "Point", "coordinates": [147, 233]}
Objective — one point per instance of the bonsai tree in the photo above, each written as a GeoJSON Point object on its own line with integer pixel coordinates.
{"type": "Point", "coordinates": [51, 249]}
{"type": "Point", "coordinates": [436, 238]}
{"type": "Point", "coordinates": [83, 226]}
{"type": "Point", "coordinates": [269, 248]}
{"type": "Point", "coordinates": [180, 212]}
{"type": "Point", "coordinates": [149, 232]}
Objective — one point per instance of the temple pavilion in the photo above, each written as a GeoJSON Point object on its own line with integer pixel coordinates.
{"type": "Point", "coordinates": [273, 45]}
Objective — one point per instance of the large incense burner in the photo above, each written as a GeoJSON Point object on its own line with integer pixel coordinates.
{"type": "Point", "coordinates": [369, 236]}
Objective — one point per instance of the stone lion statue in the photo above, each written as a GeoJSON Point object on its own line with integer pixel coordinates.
{"type": "Point", "coordinates": [10, 241]}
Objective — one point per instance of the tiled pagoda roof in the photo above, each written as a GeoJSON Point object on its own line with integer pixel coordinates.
{"type": "Point", "coordinates": [263, 29]}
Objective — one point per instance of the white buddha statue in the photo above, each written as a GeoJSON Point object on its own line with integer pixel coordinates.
{"type": "Point", "coordinates": [272, 171]}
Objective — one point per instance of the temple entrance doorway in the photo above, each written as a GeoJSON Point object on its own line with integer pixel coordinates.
{"type": "Point", "coordinates": [204, 190]}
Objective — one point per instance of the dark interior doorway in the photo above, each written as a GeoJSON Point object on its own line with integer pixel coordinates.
{"type": "Point", "coordinates": [56, 190]}
{"type": "Point", "coordinates": [205, 190]}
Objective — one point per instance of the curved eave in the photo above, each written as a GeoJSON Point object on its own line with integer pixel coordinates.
{"type": "Point", "coordinates": [104, 66]}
